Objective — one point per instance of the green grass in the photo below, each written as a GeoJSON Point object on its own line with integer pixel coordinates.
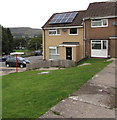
{"type": "Point", "coordinates": [29, 95]}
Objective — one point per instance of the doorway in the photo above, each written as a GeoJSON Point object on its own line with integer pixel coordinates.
{"type": "Point", "coordinates": [68, 53]}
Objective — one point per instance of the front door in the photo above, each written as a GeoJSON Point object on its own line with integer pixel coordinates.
{"type": "Point", "coordinates": [68, 53]}
{"type": "Point", "coordinates": [99, 48]}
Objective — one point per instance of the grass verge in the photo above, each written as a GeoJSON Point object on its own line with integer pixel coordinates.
{"type": "Point", "coordinates": [29, 95]}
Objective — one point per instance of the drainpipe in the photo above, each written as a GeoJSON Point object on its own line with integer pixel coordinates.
{"type": "Point", "coordinates": [44, 57]}
{"type": "Point", "coordinates": [84, 39]}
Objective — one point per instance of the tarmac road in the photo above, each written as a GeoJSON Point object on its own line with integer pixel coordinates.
{"type": "Point", "coordinates": [34, 59]}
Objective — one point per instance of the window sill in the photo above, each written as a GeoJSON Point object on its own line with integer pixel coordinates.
{"type": "Point", "coordinates": [55, 54]}
{"type": "Point", "coordinates": [73, 34]}
{"type": "Point", "coordinates": [55, 35]}
{"type": "Point", "coordinates": [99, 26]}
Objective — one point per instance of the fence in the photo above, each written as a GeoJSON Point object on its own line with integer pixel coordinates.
{"type": "Point", "coordinates": [51, 63]}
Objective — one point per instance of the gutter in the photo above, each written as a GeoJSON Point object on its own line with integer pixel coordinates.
{"type": "Point", "coordinates": [63, 27]}
{"type": "Point", "coordinates": [105, 17]}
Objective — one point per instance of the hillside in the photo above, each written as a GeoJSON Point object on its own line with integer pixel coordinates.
{"type": "Point", "coordinates": [25, 32]}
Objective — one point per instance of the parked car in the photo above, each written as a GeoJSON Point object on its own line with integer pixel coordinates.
{"type": "Point", "coordinates": [38, 53]}
{"type": "Point", "coordinates": [11, 62]}
{"type": "Point", "coordinates": [4, 58]}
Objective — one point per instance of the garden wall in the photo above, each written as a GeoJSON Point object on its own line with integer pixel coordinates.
{"type": "Point", "coordinates": [51, 63]}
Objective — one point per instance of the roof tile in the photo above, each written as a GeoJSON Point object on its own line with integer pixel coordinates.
{"type": "Point", "coordinates": [101, 9]}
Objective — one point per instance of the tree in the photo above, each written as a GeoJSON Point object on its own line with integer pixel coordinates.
{"type": "Point", "coordinates": [20, 43]}
{"type": "Point", "coordinates": [35, 43]}
{"type": "Point", "coordinates": [7, 41]}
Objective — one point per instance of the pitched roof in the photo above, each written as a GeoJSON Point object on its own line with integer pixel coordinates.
{"type": "Point", "coordinates": [76, 22]}
{"type": "Point", "coordinates": [101, 9]}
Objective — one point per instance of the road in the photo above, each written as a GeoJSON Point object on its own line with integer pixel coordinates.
{"type": "Point", "coordinates": [4, 70]}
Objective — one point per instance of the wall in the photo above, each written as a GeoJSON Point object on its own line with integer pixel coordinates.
{"type": "Point", "coordinates": [113, 48]}
{"type": "Point", "coordinates": [88, 48]}
{"type": "Point", "coordinates": [51, 63]}
{"type": "Point", "coordinates": [64, 37]}
{"type": "Point", "coordinates": [100, 32]}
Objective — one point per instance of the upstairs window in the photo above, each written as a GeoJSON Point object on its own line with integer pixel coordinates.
{"type": "Point", "coordinates": [99, 23]}
{"type": "Point", "coordinates": [54, 32]}
{"type": "Point", "coordinates": [73, 31]}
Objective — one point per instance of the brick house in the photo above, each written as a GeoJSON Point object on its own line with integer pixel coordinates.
{"type": "Point", "coordinates": [100, 25]}
{"type": "Point", "coordinates": [79, 34]}
{"type": "Point", "coordinates": [63, 36]}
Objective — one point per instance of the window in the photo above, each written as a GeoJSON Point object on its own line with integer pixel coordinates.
{"type": "Point", "coordinates": [104, 44]}
{"type": "Point", "coordinates": [101, 44]}
{"type": "Point", "coordinates": [99, 23]}
{"type": "Point", "coordinates": [96, 44]}
{"type": "Point", "coordinates": [73, 31]}
{"type": "Point", "coordinates": [54, 32]}
{"type": "Point", "coordinates": [54, 53]}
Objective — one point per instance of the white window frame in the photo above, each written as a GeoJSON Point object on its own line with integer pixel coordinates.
{"type": "Point", "coordinates": [101, 42]}
{"type": "Point", "coordinates": [101, 20]}
{"type": "Point", "coordinates": [73, 34]}
{"type": "Point", "coordinates": [55, 48]}
{"type": "Point", "coordinates": [96, 42]}
{"type": "Point", "coordinates": [54, 30]}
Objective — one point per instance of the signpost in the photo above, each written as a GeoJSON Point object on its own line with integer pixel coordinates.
{"type": "Point", "coordinates": [17, 53]}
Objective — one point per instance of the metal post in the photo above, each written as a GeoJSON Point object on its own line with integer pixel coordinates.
{"type": "Point", "coordinates": [16, 63]}
{"type": "Point", "coordinates": [36, 45]}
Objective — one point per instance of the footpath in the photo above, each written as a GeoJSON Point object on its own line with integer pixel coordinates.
{"type": "Point", "coordinates": [95, 99]}
{"type": "Point", "coordinates": [6, 71]}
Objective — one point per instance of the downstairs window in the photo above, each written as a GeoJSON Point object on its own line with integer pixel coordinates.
{"type": "Point", "coordinates": [54, 53]}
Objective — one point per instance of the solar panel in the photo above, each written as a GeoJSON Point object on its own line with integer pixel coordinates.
{"type": "Point", "coordinates": [63, 18]}
{"type": "Point", "coordinates": [70, 20]}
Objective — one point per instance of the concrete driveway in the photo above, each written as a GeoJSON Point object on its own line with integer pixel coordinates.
{"type": "Point", "coordinates": [96, 99]}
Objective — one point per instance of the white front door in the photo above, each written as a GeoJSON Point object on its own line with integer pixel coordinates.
{"type": "Point", "coordinates": [99, 48]}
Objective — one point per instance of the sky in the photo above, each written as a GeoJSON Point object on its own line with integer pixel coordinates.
{"type": "Point", "coordinates": [34, 13]}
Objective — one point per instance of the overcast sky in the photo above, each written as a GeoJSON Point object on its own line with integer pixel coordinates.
{"type": "Point", "coordinates": [34, 13]}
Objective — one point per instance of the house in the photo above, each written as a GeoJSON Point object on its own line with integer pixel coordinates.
{"type": "Point", "coordinates": [100, 25]}
{"type": "Point", "coordinates": [79, 34]}
{"type": "Point", "coordinates": [63, 36]}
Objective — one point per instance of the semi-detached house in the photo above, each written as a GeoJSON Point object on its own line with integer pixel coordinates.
{"type": "Point", "coordinates": [100, 29]}
{"type": "Point", "coordinates": [79, 34]}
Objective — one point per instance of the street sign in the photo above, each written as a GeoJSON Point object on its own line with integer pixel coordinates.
{"type": "Point", "coordinates": [17, 53]}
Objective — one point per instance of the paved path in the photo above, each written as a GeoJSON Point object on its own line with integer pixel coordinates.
{"type": "Point", "coordinates": [96, 99]}
{"type": "Point", "coordinates": [7, 71]}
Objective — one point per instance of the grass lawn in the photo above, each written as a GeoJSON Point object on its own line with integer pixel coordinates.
{"type": "Point", "coordinates": [29, 95]}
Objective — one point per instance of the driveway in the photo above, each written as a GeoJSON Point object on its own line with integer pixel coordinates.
{"type": "Point", "coordinates": [95, 99]}
{"type": "Point", "coordinates": [34, 59]}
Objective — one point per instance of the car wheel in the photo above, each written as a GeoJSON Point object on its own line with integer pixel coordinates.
{"type": "Point", "coordinates": [21, 66]}
{"type": "Point", "coordinates": [7, 65]}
